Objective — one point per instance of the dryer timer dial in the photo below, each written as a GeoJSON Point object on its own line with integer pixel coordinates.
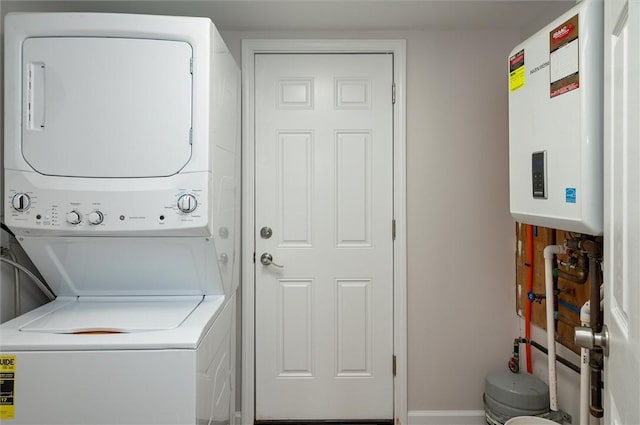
{"type": "Point", "coordinates": [187, 203]}
{"type": "Point", "coordinates": [21, 202]}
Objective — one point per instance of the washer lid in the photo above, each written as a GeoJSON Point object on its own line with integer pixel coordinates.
{"type": "Point", "coordinates": [106, 107]}
{"type": "Point", "coordinates": [115, 315]}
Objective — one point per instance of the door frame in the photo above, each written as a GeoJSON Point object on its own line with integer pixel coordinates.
{"type": "Point", "coordinates": [250, 48]}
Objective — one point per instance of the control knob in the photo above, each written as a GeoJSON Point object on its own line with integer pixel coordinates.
{"type": "Point", "coordinates": [21, 202]}
{"type": "Point", "coordinates": [187, 203]}
{"type": "Point", "coordinates": [74, 217]}
{"type": "Point", "coordinates": [95, 217]}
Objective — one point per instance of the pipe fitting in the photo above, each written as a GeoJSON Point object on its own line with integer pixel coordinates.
{"type": "Point", "coordinates": [514, 364]}
{"type": "Point", "coordinates": [593, 248]}
{"type": "Point", "coordinates": [551, 250]}
{"type": "Point", "coordinates": [533, 297]}
{"type": "Point", "coordinates": [580, 276]}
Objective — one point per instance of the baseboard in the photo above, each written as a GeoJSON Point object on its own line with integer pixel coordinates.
{"type": "Point", "coordinates": [432, 417]}
{"type": "Point", "coordinates": [447, 417]}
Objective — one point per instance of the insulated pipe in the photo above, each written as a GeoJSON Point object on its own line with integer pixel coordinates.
{"type": "Point", "coordinates": [549, 252]}
{"type": "Point", "coordinates": [40, 284]}
{"type": "Point", "coordinates": [16, 283]}
{"type": "Point", "coordinates": [527, 307]}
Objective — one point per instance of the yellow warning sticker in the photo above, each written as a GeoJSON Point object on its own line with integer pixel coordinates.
{"type": "Point", "coordinates": [516, 71]}
{"type": "Point", "coordinates": [7, 386]}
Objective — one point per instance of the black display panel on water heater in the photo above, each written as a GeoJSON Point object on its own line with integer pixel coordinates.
{"type": "Point", "coordinates": [539, 174]}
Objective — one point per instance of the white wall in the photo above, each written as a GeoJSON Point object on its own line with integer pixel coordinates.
{"type": "Point", "coordinates": [461, 248]}
{"type": "Point", "coordinates": [461, 236]}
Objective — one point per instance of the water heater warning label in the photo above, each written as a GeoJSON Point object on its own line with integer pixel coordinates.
{"type": "Point", "coordinates": [516, 71]}
{"type": "Point", "coordinates": [563, 52]}
{"type": "Point", "coordinates": [7, 385]}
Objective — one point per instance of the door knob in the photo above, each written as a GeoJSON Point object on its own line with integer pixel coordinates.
{"type": "Point", "coordinates": [586, 338]}
{"type": "Point", "coordinates": [267, 260]}
{"type": "Point", "coordinates": [266, 232]}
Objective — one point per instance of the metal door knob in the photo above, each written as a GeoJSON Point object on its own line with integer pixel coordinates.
{"type": "Point", "coordinates": [267, 260]}
{"type": "Point", "coordinates": [586, 338]}
{"type": "Point", "coordinates": [266, 232]}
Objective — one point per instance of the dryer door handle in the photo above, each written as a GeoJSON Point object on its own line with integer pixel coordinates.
{"type": "Point", "coordinates": [36, 96]}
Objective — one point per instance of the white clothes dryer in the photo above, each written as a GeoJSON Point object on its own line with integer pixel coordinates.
{"type": "Point", "coordinates": [122, 185]}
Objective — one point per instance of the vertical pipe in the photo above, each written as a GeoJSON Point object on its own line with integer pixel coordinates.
{"type": "Point", "coordinates": [593, 248]}
{"type": "Point", "coordinates": [594, 295]}
{"type": "Point", "coordinates": [595, 355]}
{"type": "Point", "coordinates": [549, 253]}
{"type": "Point", "coordinates": [584, 370]}
{"type": "Point", "coordinates": [527, 307]}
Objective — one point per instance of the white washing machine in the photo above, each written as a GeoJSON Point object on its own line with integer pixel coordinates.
{"type": "Point", "coordinates": [122, 185]}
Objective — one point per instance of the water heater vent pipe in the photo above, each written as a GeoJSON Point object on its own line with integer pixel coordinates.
{"type": "Point", "coordinates": [549, 252]}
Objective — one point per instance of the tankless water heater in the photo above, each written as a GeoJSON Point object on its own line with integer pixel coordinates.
{"type": "Point", "coordinates": [556, 123]}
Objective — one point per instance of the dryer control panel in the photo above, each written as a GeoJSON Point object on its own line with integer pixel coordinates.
{"type": "Point", "coordinates": [76, 208]}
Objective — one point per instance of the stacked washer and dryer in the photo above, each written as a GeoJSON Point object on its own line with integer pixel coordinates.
{"type": "Point", "coordinates": [121, 167]}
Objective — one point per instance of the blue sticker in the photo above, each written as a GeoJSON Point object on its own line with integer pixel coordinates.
{"type": "Point", "coordinates": [570, 195]}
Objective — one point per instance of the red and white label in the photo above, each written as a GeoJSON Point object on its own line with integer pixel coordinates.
{"type": "Point", "coordinates": [563, 32]}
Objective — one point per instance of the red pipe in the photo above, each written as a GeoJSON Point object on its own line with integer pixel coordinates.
{"type": "Point", "coordinates": [527, 306]}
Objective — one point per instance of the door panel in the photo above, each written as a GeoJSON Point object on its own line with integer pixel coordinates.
{"type": "Point", "coordinates": [622, 212]}
{"type": "Point", "coordinates": [324, 185]}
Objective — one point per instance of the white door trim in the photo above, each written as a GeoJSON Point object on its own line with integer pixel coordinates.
{"type": "Point", "coordinates": [249, 49]}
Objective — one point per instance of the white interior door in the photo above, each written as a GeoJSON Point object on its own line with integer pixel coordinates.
{"type": "Point", "coordinates": [324, 186]}
{"type": "Point", "coordinates": [622, 212]}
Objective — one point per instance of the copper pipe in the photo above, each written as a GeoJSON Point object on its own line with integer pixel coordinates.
{"type": "Point", "coordinates": [596, 361]}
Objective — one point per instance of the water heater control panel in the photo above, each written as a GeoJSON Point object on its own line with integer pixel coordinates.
{"type": "Point", "coordinates": [34, 207]}
{"type": "Point", "coordinates": [539, 174]}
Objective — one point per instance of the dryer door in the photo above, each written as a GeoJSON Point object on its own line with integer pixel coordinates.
{"type": "Point", "coordinates": [106, 107]}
